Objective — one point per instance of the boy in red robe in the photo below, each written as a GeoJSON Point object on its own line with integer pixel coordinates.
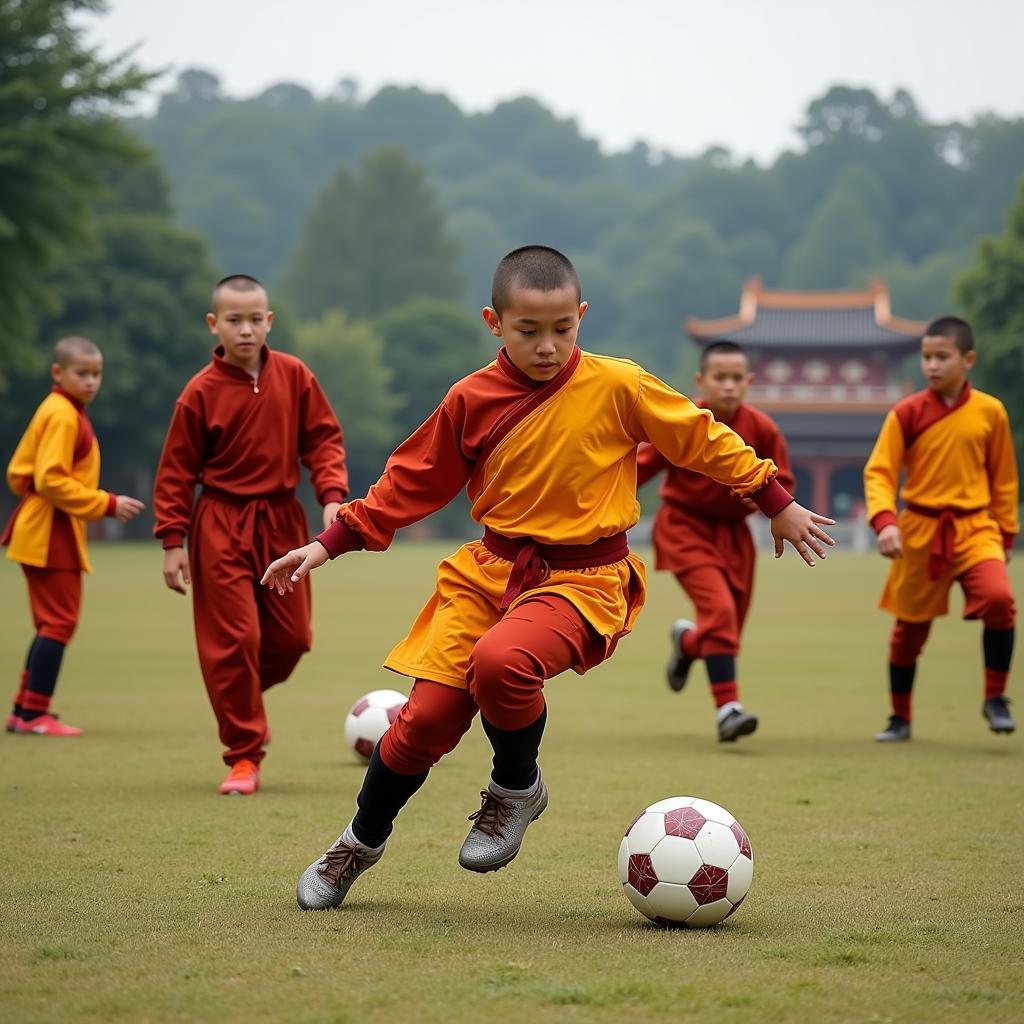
{"type": "Point", "coordinates": [954, 445]}
{"type": "Point", "coordinates": [55, 470]}
{"type": "Point", "coordinates": [701, 535]}
{"type": "Point", "coordinates": [240, 429]}
{"type": "Point", "coordinates": [545, 438]}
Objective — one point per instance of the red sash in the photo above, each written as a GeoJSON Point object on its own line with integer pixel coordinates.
{"type": "Point", "coordinates": [940, 557]}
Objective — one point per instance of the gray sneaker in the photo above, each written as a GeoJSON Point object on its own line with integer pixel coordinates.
{"type": "Point", "coordinates": [499, 827]}
{"type": "Point", "coordinates": [897, 731]}
{"type": "Point", "coordinates": [735, 724]}
{"type": "Point", "coordinates": [326, 882]}
{"type": "Point", "coordinates": [997, 711]}
{"type": "Point", "coordinates": [678, 667]}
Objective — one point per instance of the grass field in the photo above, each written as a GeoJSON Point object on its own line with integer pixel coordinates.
{"type": "Point", "coordinates": [887, 881]}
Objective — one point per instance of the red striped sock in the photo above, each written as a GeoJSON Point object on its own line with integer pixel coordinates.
{"type": "Point", "coordinates": [901, 705]}
{"type": "Point", "coordinates": [995, 682]}
{"type": "Point", "coordinates": [725, 693]}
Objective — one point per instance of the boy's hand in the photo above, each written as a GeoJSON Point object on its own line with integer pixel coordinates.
{"type": "Point", "coordinates": [331, 512]}
{"type": "Point", "coordinates": [889, 541]}
{"type": "Point", "coordinates": [290, 568]}
{"type": "Point", "coordinates": [126, 508]}
{"type": "Point", "coordinates": [802, 528]}
{"type": "Point", "coordinates": [175, 566]}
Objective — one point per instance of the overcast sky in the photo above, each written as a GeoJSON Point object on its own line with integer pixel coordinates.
{"type": "Point", "coordinates": [678, 74]}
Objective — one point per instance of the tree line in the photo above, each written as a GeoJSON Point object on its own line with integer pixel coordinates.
{"type": "Point", "coordinates": [376, 222]}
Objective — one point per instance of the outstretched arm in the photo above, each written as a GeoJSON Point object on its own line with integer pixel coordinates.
{"type": "Point", "coordinates": [287, 570]}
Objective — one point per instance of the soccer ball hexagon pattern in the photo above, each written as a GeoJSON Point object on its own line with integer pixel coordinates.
{"type": "Point", "coordinates": [685, 862]}
{"type": "Point", "coordinates": [369, 719]}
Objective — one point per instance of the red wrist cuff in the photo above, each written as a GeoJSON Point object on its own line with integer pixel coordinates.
{"type": "Point", "coordinates": [1008, 539]}
{"type": "Point", "coordinates": [111, 506]}
{"type": "Point", "coordinates": [772, 498]}
{"type": "Point", "coordinates": [881, 520]}
{"type": "Point", "coordinates": [174, 539]}
{"type": "Point", "coordinates": [339, 538]}
{"type": "Point", "coordinates": [331, 494]}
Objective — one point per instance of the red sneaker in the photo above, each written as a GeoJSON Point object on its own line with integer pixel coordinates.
{"type": "Point", "coordinates": [44, 725]}
{"type": "Point", "coordinates": [242, 780]}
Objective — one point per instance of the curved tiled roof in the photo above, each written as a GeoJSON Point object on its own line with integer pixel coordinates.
{"type": "Point", "coordinates": [810, 318]}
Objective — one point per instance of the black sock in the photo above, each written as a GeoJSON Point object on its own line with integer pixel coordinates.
{"type": "Point", "coordinates": [515, 752]}
{"type": "Point", "coordinates": [997, 645]}
{"type": "Point", "coordinates": [17, 710]}
{"type": "Point", "coordinates": [383, 795]}
{"type": "Point", "coordinates": [901, 685]}
{"type": "Point", "coordinates": [721, 668]}
{"type": "Point", "coordinates": [44, 658]}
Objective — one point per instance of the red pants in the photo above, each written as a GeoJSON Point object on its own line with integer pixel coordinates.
{"type": "Point", "coordinates": [249, 638]}
{"type": "Point", "coordinates": [987, 596]}
{"type": "Point", "coordinates": [55, 596]}
{"type": "Point", "coordinates": [537, 640]}
{"type": "Point", "coordinates": [722, 604]}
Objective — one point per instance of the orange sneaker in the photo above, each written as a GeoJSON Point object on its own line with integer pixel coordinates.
{"type": "Point", "coordinates": [44, 725]}
{"type": "Point", "coordinates": [242, 780]}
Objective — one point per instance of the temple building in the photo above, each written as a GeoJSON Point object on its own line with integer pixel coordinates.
{"type": "Point", "coordinates": [827, 367]}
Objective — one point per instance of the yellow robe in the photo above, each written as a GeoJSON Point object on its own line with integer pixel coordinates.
{"type": "Point", "coordinates": [962, 459]}
{"type": "Point", "coordinates": [44, 472]}
{"type": "Point", "coordinates": [566, 474]}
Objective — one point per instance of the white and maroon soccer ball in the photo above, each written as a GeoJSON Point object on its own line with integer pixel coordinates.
{"type": "Point", "coordinates": [685, 861]}
{"type": "Point", "coordinates": [369, 720]}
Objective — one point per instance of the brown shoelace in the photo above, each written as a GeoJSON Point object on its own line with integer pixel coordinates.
{"type": "Point", "coordinates": [341, 861]}
{"type": "Point", "coordinates": [493, 814]}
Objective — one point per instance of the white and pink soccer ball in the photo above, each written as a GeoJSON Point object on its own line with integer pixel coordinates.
{"type": "Point", "coordinates": [369, 719]}
{"type": "Point", "coordinates": [685, 862]}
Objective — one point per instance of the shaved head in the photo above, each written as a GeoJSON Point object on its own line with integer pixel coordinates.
{"type": "Point", "coordinates": [236, 283]}
{"type": "Point", "coordinates": [72, 347]}
{"type": "Point", "coordinates": [535, 267]}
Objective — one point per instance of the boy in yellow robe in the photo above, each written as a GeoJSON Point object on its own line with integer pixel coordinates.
{"type": "Point", "coordinates": [954, 444]}
{"type": "Point", "coordinates": [55, 470]}
{"type": "Point", "coordinates": [545, 439]}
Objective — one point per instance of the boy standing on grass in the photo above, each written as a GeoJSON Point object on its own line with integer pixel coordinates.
{"type": "Point", "coordinates": [701, 535]}
{"type": "Point", "coordinates": [545, 438]}
{"type": "Point", "coordinates": [954, 444]}
{"type": "Point", "coordinates": [240, 429]}
{"type": "Point", "coordinates": [55, 470]}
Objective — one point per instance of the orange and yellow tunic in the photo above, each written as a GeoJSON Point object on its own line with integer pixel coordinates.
{"type": "Point", "coordinates": [55, 470]}
{"type": "Point", "coordinates": [960, 491]}
{"type": "Point", "coordinates": [551, 461]}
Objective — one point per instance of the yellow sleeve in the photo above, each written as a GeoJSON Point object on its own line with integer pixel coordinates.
{"type": "Point", "coordinates": [1001, 463]}
{"type": "Point", "coordinates": [693, 439]}
{"type": "Point", "coordinates": [52, 477]}
{"type": "Point", "coordinates": [882, 473]}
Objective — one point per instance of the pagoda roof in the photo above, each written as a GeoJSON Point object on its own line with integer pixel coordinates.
{"type": "Point", "coordinates": [773, 317]}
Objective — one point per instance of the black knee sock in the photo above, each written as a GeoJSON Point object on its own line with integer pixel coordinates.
{"type": "Point", "coordinates": [515, 752]}
{"type": "Point", "coordinates": [44, 658]}
{"type": "Point", "coordinates": [901, 686]}
{"type": "Point", "coordinates": [997, 645]}
{"type": "Point", "coordinates": [383, 795]}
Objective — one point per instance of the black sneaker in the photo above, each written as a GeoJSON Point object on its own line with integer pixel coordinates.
{"type": "Point", "coordinates": [678, 667]}
{"type": "Point", "coordinates": [896, 731]}
{"type": "Point", "coordinates": [997, 711]}
{"type": "Point", "coordinates": [735, 724]}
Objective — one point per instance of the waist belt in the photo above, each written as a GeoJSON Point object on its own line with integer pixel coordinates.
{"type": "Point", "coordinates": [230, 498]}
{"type": "Point", "coordinates": [940, 557]}
{"type": "Point", "coordinates": [532, 561]}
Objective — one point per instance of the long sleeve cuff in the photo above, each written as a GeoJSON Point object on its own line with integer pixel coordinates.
{"type": "Point", "coordinates": [111, 506]}
{"type": "Point", "coordinates": [880, 520]}
{"type": "Point", "coordinates": [339, 538]}
{"type": "Point", "coordinates": [173, 539]}
{"type": "Point", "coordinates": [772, 498]}
{"type": "Point", "coordinates": [331, 494]}
{"type": "Point", "coordinates": [1008, 539]}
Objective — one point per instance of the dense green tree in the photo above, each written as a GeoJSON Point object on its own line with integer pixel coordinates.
{"type": "Point", "coordinates": [992, 292]}
{"type": "Point", "coordinates": [373, 240]}
{"type": "Point", "coordinates": [58, 99]}
{"type": "Point", "coordinates": [350, 362]}
{"type": "Point", "coordinates": [430, 344]}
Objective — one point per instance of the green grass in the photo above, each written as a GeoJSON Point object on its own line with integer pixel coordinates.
{"type": "Point", "coordinates": [887, 880]}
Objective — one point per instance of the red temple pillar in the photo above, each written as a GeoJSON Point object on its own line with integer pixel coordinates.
{"type": "Point", "coordinates": [820, 470]}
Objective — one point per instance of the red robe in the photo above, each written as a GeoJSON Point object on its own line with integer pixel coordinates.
{"type": "Point", "coordinates": [242, 439]}
{"type": "Point", "coordinates": [700, 531]}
